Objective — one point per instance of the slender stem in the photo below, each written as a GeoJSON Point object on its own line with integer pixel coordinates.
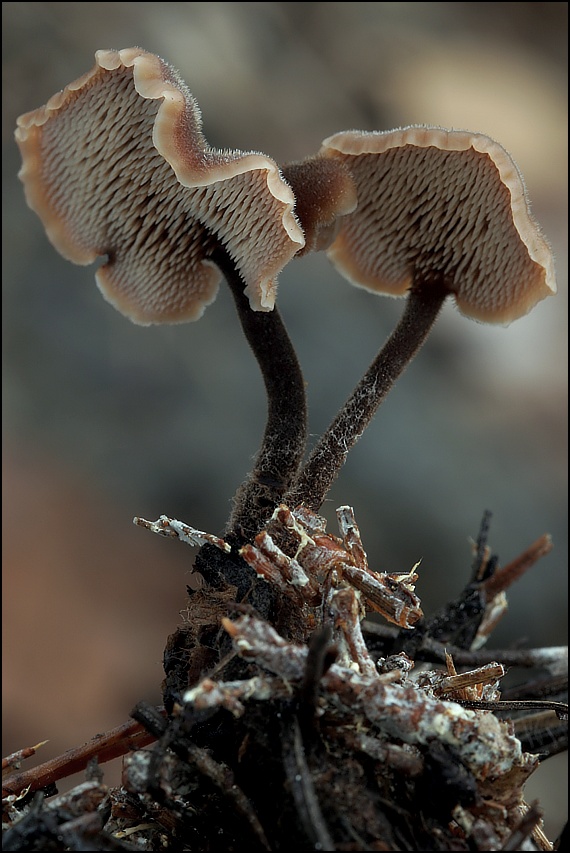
{"type": "Point", "coordinates": [328, 456]}
{"type": "Point", "coordinates": [284, 439]}
{"type": "Point", "coordinates": [127, 737]}
{"type": "Point", "coordinates": [503, 578]}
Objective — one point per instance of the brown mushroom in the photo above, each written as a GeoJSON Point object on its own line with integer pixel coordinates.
{"type": "Point", "coordinates": [116, 165]}
{"type": "Point", "coordinates": [324, 192]}
{"type": "Point", "coordinates": [440, 213]}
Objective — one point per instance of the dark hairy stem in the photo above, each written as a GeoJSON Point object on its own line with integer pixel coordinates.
{"type": "Point", "coordinates": [284, 439]}
{"type": "Point", "coordinates": [328, 456]}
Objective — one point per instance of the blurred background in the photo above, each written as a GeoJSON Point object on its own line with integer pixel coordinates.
{"type": "Point", "coordinates": [104, 420]}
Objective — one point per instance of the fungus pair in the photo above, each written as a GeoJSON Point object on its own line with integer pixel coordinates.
{"type": "Point", "coordinates": [116, 165]}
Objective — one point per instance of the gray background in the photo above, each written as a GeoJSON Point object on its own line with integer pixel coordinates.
{"type": "Point", "coordinates": [104, 420]}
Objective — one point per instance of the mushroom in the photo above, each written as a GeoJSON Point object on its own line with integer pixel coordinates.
{"type": "Point", "coordinates": [116, 165]}
{"type": "Point", "coordinates": [440, 213]}
{"type": "Point", "coordinates": [324, 192]}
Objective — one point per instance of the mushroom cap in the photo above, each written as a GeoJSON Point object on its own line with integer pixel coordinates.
{"type": "Point", "coordinates": [116, 164]}
{"type": "Point", "coordinates": [441, 205]}
{"type": "Point", "coordinates": [324, 192]}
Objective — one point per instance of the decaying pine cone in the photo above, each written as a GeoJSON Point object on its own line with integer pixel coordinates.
{"type": "Point", "coordinates": [395, 737]}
